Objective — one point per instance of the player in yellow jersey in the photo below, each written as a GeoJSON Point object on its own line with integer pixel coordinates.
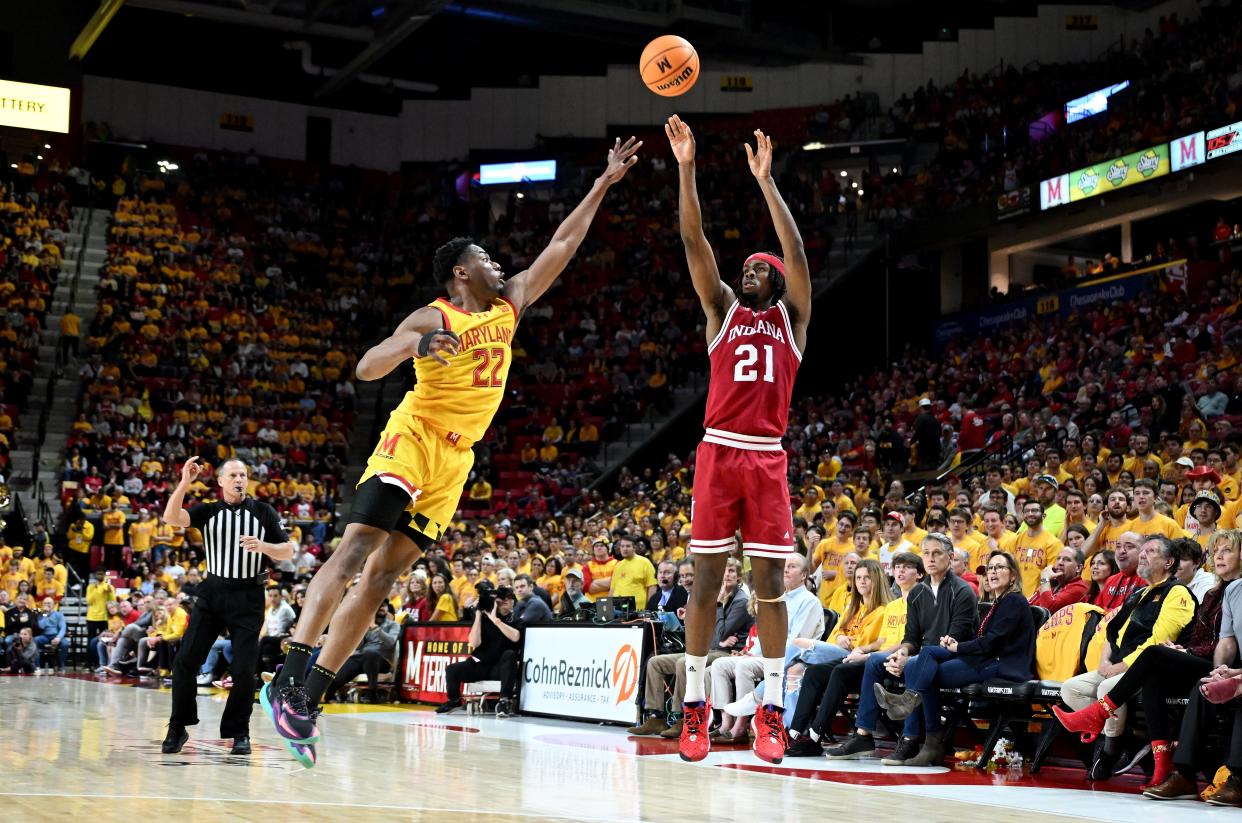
{"type": "Point", "coordinates": [461, 349]}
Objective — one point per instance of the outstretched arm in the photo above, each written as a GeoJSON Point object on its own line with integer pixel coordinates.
{"type": "Point", "coordinates": [174, 510]}
{"type": "Point", "coordinates": [407, 341]}
{"type": "Point", "coordinates": [526, 287]}
{"type": "Point", "coordinates": [797, 272]}
{"type": "Point", "coordinates": [713, 293]}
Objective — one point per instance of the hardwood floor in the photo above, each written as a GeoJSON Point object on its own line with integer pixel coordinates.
{"type": "Point", "coordinates": [87, 750]}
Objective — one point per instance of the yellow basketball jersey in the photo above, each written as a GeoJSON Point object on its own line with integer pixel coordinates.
{"type": "Point", "coordinates": [1058, 641]}
{"type": "Point", "coordinates": [463, 396]}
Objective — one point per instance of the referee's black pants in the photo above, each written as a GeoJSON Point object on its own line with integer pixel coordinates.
{"type": "Point", "coordinates": [220, 604]}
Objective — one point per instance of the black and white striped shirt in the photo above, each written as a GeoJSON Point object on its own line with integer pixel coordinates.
{"type": "Point", "coordinates": [223, 525]}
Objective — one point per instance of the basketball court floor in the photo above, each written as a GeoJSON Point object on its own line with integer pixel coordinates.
{"type": "Point", "coordinates": [87, 749]}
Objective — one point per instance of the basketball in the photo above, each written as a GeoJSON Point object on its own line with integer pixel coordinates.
{"type": "Point", "coordinates": [669, 65]}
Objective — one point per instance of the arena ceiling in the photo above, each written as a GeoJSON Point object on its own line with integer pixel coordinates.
{"type": "Point", "coordinates": [371, 54]}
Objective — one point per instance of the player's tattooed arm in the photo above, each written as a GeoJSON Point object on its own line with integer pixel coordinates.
{"type": "Point", "coordinates": [422, 334]}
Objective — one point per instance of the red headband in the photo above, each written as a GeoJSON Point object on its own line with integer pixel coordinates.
{"type": "Point", "coordinates": [771, 259]}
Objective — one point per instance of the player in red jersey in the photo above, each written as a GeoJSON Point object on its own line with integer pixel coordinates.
{"type": "Point", "coordinates": [755, 335]}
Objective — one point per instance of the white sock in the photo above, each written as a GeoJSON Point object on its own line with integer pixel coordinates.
{"type": "Point", "coordinates": [814, 735]}
{"type": "Point", "coordinates": [696, 668]}
{"type": "Point", "coordinates": [773, 688]}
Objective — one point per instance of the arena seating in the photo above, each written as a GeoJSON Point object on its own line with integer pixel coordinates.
{"type": "Point", "coordinates": [34, 219]}
{"type": "Point", "coordinates": [982, 126]}
{"type": "Point", "coordinates": [229, 318]}
{"type": "Point", "coordinates": [610, 339]}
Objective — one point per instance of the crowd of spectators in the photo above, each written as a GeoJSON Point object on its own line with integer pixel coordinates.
{"type": "Point", "coordinates": [34, 219]}
{"type": "Point", "coordinates": [237, 295]}
{"type": "Point", "coordinates": [31, 588]}
{"type": "Point", "coordinates": [231, 309]}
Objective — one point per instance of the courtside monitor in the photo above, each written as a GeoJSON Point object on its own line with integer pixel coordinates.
{"type": "Point", "coordinates": [614, 608]}
{"type": "Point", "coordinates": [1093, 103]}
{"type": "Point", "coordinates": [525, 171]}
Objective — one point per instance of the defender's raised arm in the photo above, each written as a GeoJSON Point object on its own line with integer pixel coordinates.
{"type": "Point", "coordinates": [526, 287]}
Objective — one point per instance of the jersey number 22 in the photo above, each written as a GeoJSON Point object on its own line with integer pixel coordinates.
{"type": "Point", "coordinates": [495, 358]}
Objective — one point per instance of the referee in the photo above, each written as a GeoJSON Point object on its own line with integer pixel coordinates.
{"type": "Point", "coordinates": [238, 533]}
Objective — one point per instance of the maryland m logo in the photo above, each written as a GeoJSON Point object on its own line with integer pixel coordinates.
{"type": "Point", "coordinates": [388, 444]}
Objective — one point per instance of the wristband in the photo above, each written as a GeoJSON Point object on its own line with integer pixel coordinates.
{"type": "Point", "coordinates": [424, 345]}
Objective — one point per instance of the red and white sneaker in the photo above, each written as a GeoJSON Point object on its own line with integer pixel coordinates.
{"type": "Point", "coordinates": [768, 724]}
{"type": "Point", "coordinates": [695, 740]}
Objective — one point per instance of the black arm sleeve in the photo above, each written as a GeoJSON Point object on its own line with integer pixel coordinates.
{"type": "Point", "coordinates": [964, 619]}
{"type": "Point", "coordinates": [200, 514]}
{"type": "Point", "coordinates": [273, 527]}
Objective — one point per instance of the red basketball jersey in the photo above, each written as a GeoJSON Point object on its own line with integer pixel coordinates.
{"type": "Point", "coordinates": [754, 361]}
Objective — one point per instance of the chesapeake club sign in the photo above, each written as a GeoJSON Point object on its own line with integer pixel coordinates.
{"type": "Point", "coordinates": [31, 106]}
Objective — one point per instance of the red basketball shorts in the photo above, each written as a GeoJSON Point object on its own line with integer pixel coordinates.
{"type": "Point", "coordinates": [741, 488]}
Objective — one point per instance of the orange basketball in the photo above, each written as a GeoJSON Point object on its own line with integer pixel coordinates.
{"type": "Point", "coordinates": [669, 65]}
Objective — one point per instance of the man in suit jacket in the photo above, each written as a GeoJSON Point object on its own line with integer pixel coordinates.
{"type": "Point", "coordinates": [668, 596]}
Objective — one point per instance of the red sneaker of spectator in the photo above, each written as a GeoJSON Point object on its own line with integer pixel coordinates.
{"type": "Point", "coordinates": [768, 725]}
{"type": "Point", "coordinates": [695, 742]}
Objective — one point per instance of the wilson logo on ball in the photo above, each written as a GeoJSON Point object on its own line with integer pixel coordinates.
{"type": "Point", "coordinates": [669, 65]}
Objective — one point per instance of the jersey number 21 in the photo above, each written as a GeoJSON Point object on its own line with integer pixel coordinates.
{"type": "Point", "coordinates": [746, 370]}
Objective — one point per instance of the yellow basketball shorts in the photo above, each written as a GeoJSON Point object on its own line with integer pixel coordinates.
{"type": "Point", "coordinates": [430, 466]}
